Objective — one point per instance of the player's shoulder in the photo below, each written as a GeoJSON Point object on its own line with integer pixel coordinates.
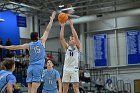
{"type": "Point", "coordinates": [11, 76]}
{"type": "Point", "coordinates": [1, 71]}
{"type": "Point", "coordinates": [56, 71]}
{"type": "Point", "coordinates": [45, 70]}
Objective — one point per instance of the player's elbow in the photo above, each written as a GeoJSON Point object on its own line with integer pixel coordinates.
{"type": "Point", "coordinates": [61, 38]}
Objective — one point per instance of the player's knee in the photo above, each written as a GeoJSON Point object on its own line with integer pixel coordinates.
{"type": "Point", "coordinates": [76, 90]}
{"type": "Point", "coordinates": [65, 88]}
{"type": "Point", "coordinates": [35, 85]}
{"type": "Point", "coordinates": [76, 86]}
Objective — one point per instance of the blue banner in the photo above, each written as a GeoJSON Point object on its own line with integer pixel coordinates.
{"type": "Point", "coordinates": [21, 21]}
{"type": "Point", "coordinates": [133, 47]}
{"type": "Point", "coordinates": [100, 50]}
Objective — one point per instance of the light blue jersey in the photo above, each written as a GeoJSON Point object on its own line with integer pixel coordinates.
{"type": "Point", "coordinates": [50, 79]}
{"type": "Point", "coordinates": [37, 53]}
{"type": "Point", "coordinates": [5, 78]}
{"type": "Point", "coordinates": [37, 62]}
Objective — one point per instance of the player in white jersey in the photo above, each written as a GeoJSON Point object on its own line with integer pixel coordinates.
{"type": "Point", "coordinates": [71, 68]}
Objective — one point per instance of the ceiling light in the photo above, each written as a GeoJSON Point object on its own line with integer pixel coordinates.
{"type": "Point", "coordinates": [61, 6]}
{"type": "Point", "coordinates": [2, 20]}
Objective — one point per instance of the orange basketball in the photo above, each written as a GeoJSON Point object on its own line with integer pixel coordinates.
{"type": "Point", "coordinates": [62, 17]}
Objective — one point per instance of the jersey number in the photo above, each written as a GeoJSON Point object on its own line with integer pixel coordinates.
{"type": "Point", "coordinates": [71, 53]}
{"type": "Point", "coordinates": [37, 49]}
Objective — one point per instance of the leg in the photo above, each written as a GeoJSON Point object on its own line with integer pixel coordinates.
{"type": "Point", "coordinates": [37, 78]}
{"type": "Point", "coordinates": [29, 79]}
{"type": "Point", "coordinates": [35, 86]}
{"type": "Point", "coordinates": [29, 87]}
{"type": "Point", "coordinates": [75, 80]}
{"type": "Point", "coordinates": [66, 79]}
{"type": "Point", "coordinates": [76, 87]}
{"type": "Point", "coordinates": [65, 87]}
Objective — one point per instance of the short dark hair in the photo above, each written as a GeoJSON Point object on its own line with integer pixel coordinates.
{"type": "Point", "coordinates": [50, 60]}
{"type": "Point", "coordinates": [34, 36]}
{"type": "Point", "coordinates": [8, 63]}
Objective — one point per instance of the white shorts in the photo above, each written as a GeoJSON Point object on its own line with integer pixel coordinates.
{"type": "Point", "coordinates": [70, 76]}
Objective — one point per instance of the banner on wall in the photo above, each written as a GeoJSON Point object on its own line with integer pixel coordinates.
{"type": "Point", "coordinates": [21, 21]}
{"type": "Point", "coordinates": [100, 50]}
{"type": "Point", "coordinates": [133, 47]}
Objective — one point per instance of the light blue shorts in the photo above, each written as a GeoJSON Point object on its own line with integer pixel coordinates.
{"type": "Point", "coordinates": [50, 91]}
{"type": "Point", "coordinates": [34, 73]}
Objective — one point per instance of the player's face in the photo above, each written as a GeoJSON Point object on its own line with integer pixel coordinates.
{"type": "Point", "coordinates": [49, 63]}
{"type": "Point", "coordinates": [71, 40]}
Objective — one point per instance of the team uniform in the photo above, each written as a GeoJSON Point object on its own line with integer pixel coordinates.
{"type": "Point", "coordinates": [50, 78]}
{"type": "Point", "coordinates": [5, 78]}
{"type": "Point", "coordinates": [71, 65]}
{"type": "Point", "coordinates": [37, 62]}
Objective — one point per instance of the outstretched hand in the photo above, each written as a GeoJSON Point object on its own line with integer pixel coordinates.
{"type": "Point", "coordinates": [62, 24]}
{"type": "Point", "coordinates": [1, 46]}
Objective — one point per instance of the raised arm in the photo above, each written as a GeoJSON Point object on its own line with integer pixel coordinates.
{"type": "Point", "coordinates": [16, 47]}
{"type": "Point", "coordinates": [74, 33]}
{"type": "Point", "coordinates": [62, 39]}
{"type": "Point", "coordinates": [48, 28]}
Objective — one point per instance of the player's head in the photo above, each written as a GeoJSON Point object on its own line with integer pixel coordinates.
{"type": "Point", "coordinates": [34, 36]}
{"type": "Point", "coordinates": [49, 63]}
{"type": "Point", "coordinates": [9, 64]}
{"type": "Point", "coordinates": [71, 40]}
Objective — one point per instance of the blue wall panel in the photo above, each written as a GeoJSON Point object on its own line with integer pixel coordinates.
{"type": "Point", "coordinates": [9, 28]}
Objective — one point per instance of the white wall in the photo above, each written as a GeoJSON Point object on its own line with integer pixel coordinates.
{"type": "Point", "coordinates": [122, 48]}
{"type": "Point", "coordinates": [114, 40]}
{"type": "Point", "coordinates": [102, 27]}
{"type": "Point", "coordinates": [111, 49]}
{"type": "Point", "coordinates": [25, 31]}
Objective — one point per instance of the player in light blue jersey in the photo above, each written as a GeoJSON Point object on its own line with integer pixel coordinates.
{"type": "Point", "coordinates": [50, 77]}
{"type": "Point", "coordinates": [7, 79]}
{"type": "Point", "coordinates": [37, 56]}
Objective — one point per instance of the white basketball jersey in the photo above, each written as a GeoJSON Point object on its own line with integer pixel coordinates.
{"type": "Point", "coordinates": [71, 59]}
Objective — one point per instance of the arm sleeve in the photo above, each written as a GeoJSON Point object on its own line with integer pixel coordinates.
{"type": "Point", "coordinates": [11, 79]}
{"type": "Point", "coordinates": [57, 75]}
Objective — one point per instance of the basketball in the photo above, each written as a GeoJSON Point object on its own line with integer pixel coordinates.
{"type": "Point", "coordinates": [62, 17]}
